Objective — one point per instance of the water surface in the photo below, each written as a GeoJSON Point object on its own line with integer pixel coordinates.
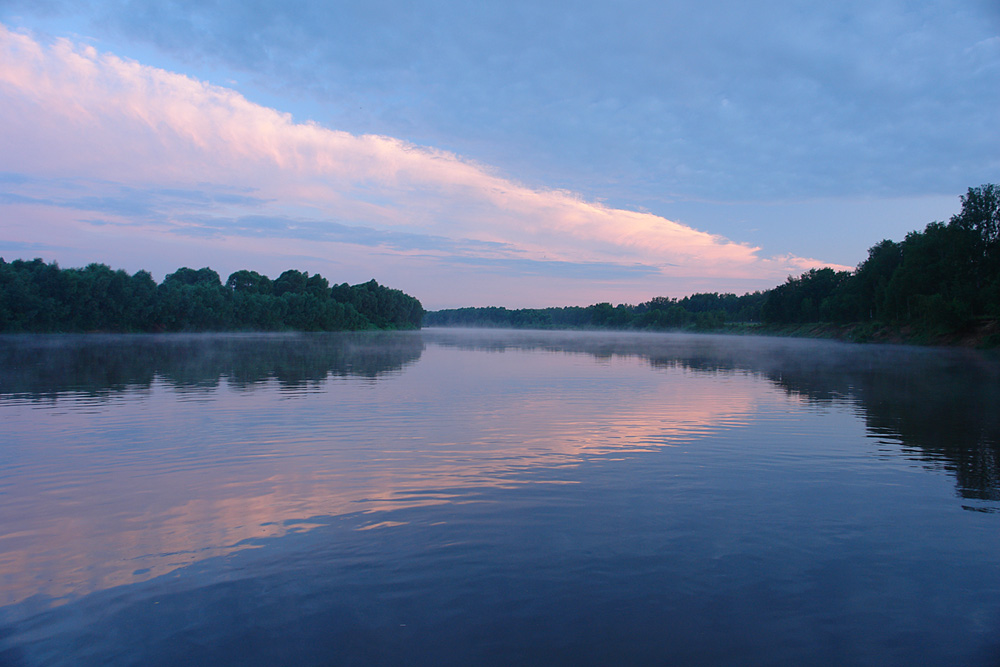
{"type": "Point", "coordinates": [463, 497]}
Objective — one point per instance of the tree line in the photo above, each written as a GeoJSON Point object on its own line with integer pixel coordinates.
{"type": "Point", "coordinates": [943, 279]}
{"type": "Point", "coordinates": [40, 297]}
{"type": "Point", "coordinates": [698, 311]}
{"type": "Point", "coordinates": [946, 277]}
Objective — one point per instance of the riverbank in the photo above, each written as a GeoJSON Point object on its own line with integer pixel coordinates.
{"type": "Point", "coordinates": [981, 335]}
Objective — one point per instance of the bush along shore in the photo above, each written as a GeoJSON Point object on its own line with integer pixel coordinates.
{"type": "Point", "coordinates": [937, 286]}
{"type": "Point", "coordinates": [40, 297]}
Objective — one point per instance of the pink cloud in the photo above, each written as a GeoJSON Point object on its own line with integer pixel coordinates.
{"type": "Point", "coordinates": [70, 111]}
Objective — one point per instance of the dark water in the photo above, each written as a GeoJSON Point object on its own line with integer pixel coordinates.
{"type": "Point", "coordinates": [463, 498]}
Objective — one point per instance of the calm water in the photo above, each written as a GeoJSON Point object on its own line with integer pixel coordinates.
{"type": "Point", "coordinates": [484, 498]}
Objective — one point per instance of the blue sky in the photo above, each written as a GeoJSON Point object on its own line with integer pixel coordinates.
{"type": "Point", "coordinates": [516, 153]}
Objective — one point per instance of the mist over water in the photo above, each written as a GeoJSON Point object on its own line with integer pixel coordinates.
{"type": "Point", "coordinates": [484, 497]}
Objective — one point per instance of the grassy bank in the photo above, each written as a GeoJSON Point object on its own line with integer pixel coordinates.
{"type": "Point", "coordinates": [980, 335]}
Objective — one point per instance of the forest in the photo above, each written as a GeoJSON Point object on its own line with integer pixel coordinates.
{"type": "Point", "coordinates": [698, 311]}
{"type": "Point", "coordinates": [40, 297]}
{"type": "Point", "coordinates": [942, 280]}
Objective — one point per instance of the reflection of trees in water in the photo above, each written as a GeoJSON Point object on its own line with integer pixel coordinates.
{"type": "Point", "coordinates": [100, 365]}
{"type": "Point", "coordinates": [943, 406]}
{"type": "Point", "coordinates": [945, 413]}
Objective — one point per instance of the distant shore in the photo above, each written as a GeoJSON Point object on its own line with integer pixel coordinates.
{"type": "Point", "coordinates": [983, 335]}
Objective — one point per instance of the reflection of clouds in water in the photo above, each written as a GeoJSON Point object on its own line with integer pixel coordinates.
{"type": "Point", "coordinates": [149, 485]}
{"type": "Point", "coordinates": [112, 483]}
{"type": "Point", "coordinates": [938, 406]}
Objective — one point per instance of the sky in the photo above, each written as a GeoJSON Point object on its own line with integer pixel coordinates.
{"type": "Point", "coordinates": [519, 154]}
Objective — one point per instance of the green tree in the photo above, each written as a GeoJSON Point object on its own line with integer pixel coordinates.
{"type": "Point", "coordinates": [186, 276]}
{"type": "Point", "coordinates": [291, 281]}
{"type": "Point", "coordinates": [981, 213]}
{"type": "Point", "coordinates": [249, 282]}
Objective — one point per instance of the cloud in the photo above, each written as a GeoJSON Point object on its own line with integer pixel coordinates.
{"type": "Point", "coordinates": [147, 147]}
{"type": "Point", "coordinates": [18, 247]}
{"type": "Point", "coordinates": [640, 100]}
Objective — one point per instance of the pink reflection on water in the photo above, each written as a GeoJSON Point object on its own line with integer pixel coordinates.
{"type": "Point", "coordinates": [103, 493]}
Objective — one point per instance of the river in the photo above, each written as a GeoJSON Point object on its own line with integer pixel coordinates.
{"type": "Point", "coordinates": [452, 497]}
